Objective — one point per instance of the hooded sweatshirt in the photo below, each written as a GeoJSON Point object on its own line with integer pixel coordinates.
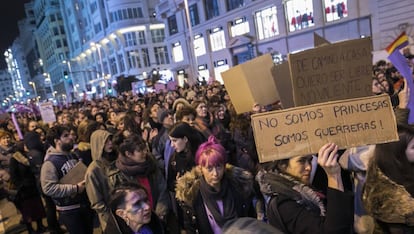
{"type": "Point", "coordinates": [96, 180]}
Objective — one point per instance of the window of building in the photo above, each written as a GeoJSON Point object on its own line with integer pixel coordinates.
{"type": "Point", "coordinates": [233, 4]}
{"type": "Point", "coordinates": [157, 35]}
{"type": "Point", "coordinates": [217, 39]}
{"type": "Point", "coordinates": [145, 57]}
{"type": "Point", "coordinates": [141, 37]}
{"type": "Point", "coordinates": [177, 52]}
{"type": "Point", "coordinates": [193, 11]}
{"type": "Point", "coordinates": [140, 14]}
{"type": "Point", "coordinates": [199, 45]}
{"type": "Point", "coordinates": [55, 31]}
{"type": "Point", "coordinates": [172, 25]}
{"type": "Point", "coordinates": [52, 18]}
{"type": "Point", "coordinates": [161, 55]}
{"type": "Point", "coordinates": [134, 59]}
{"type": "Point", "coordinates": [130, 39]}
{"type": "Point", "coordinates": [239, 27]}
{"type": "Point", "coordinates": [62, 29]}
{"type": "Point", "coordinates": [121, 63]}
{"type": "Point", "coordinates": [299, 14]}
{"type": "Point", "coordinates": [335, 9]}
{"type": "Point", "coordinates": [112, 64]}
{"type": "Point", "coordinates": [212, 8]}
{"type": "Point", "coordinates": [93, 7]}
{"type": "Point", "coordinates": [266, 23]}
{"type": "Point", "coordinates": [58, 44]}
{"type": "Point", "coordinates": [97, 27]}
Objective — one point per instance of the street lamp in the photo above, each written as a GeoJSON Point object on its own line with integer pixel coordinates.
{"type": "Point", "coordinates": [33, 84]}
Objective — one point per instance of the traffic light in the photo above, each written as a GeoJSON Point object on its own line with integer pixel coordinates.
{"type": "Point", "coordinates": [65, 75]}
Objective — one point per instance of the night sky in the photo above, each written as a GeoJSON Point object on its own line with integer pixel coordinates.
{"type": "Point", "coordinates": [9, 15]}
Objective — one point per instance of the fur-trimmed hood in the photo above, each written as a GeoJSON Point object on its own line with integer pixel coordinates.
{"type": "Point", "coordinates": [188, 185]}
{"type": "Point", "coordinates": [386, 200]}
{"type": "Point", "coordinates": [274, 183]}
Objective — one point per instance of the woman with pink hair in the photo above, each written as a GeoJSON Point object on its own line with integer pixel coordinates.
{"type": "Point", "coordinates": [214, 192]}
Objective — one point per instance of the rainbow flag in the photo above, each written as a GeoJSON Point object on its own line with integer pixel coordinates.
{"type": "Point", "coordinates": [397, 44]}
{"type": "Point", "coordinates": [400, 62]}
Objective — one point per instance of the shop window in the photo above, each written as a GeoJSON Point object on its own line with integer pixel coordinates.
{"type": "Point", "coordinates": [266, 22]}
{"type": "Point", "coordinates": [299, 14]}
{"type": "Point", "coordinates": [199, 45]}
{"type": "Point", "coordinates": [239, 27]}
{"type": "Point", "coordinates": [217, 39]}
{"type": "Point", "coordinates": [177, 51]}
{"type": "Point", "coordinates": [335, 9]}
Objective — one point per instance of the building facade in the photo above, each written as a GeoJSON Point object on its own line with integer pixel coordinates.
{"type": "Point", "coordinates": [6, 89]}
{"type": "Point", "coordinates": [206, 37]}
{"type": "Point", "coordinates": [86, 47]}
{"type": "Point", "coordinates": [113, 40]}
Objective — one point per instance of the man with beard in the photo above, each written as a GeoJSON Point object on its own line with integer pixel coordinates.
{"type": "Point", "coordinates": [70, 199]}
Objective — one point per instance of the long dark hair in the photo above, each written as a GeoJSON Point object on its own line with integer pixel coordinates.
{"type": "Point", "coordinates": [181, 130]}
{"type": "Point", "coordinates": [392, 159]}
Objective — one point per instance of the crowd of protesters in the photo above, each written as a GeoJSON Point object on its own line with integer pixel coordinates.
{"type": "Point", "coordinates": [183, 161]}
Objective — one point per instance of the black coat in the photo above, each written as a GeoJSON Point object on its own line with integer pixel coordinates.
{"type": "Point", "coordinates": [296, 208]}
{"type": "Point", "coordinates": [23, 181]}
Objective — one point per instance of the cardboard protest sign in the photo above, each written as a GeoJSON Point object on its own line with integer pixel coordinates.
{"type": "Point", "coordinates": [251, 82]}
{"type": "Point", "coordinates": [332, 72]}
{"type": "Point", "coordinates": [47, 112]}
{"type": "Point", "coordinates": [75, 175]}
{"type": "Point", "coordinates": [303, 130]}
{"type": "Point", "coordinates": [319, 41]}
{"type": "Point", "coordinates": [281, 76]}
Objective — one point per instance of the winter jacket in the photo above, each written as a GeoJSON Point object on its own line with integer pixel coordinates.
{"type": "Point", "coordinates": [190, 199]}
{"type": "Point", "coordinates": [96, 180]}
{"type": "Point", "coordinates": [157, 183]}
{"type": "Point", "coordinates": [387, 201]}
{"type": "Point", "coordinates": [294, 207]}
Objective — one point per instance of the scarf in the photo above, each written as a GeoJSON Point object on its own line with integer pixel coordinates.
{"type": "Point", "coordinates": [210, 197]}
{"type": "Point", "coordinates": [278, 183]}
{"type": "Point", "coordinates": [131, 168]}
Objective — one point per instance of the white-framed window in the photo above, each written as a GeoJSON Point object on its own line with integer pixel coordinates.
{"type": "Point", "coordinates": [299, 14]}
{"type": "Point", "coordinates": [177, 52]}
{"type": "Point", "coordinates": [217, 39]}
{"type": "Point", "coordinates": [199, 45]}
{"type": "Point", "coordinates": [134, 59]}
{"type": "Point", "coordinates": [266, 21]}
{"type": "Point", "coordinates": [335, 9]}
{"type": "Point", "coordinates": [239, 27]}
{"type": "Point", "coordinates": [130, 39]}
